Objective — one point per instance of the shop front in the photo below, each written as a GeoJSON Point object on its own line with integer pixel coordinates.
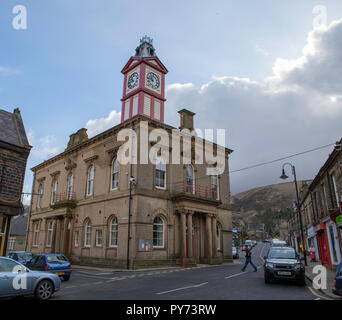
{"type": "Point", "coordinates": [322, 241]}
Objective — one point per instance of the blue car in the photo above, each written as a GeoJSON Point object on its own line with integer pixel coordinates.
{"type": "Point", "coordinates": [337, 289]}
{"type": "Point", "coordinates": [18, 280]}
{"type": "Point", "coordinates": [20, 256]}
{"type": "Point", "coordinates": [53, 263]}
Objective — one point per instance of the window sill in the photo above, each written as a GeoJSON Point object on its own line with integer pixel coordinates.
{"type": "Point", "coordinates": [160, 188]}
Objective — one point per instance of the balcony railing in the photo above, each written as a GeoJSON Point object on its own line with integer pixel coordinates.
{"type": "Point", "coordinates": [65, 199]}
{"type": "Point", "coordinates": [65, 196]}
{"type": "Point", "coordinates": [195, 190]}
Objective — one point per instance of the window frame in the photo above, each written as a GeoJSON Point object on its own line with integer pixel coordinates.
{"type": "Point", "coordinates": [90, 180]}
{"type": "Point", "coordinates": [69, 193]}
{"type": "Point", "coordinates": [158, 232]}
{"type": "Point", "coordinates": [87, 233]}
{"type": "Point", "coordinates": [97, 237]}
{"type": "Point", "coordinates": [193, 178]}
{"type": "Point", "coordinates": [158, 168]}
{"type": "Point", "coordinates": [49, 234]}
{"type": "Point", "coordinates": [217, 191]}
{"type": "Point", "coordinates": [54, 191]}
{"type": "Point", "coordinates": [115, 232]}
{"type": "Point", "coordinates": [114, 166]}
{"type": "Point", "coordinates": [40, 196]}
{"type": "Point", "coordinates": [36, 235]}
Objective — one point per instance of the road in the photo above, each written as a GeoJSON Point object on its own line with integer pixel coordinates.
{"type": "Point", "coordinates": [224, 282]}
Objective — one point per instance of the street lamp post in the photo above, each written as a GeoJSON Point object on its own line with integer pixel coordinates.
{"type": "Point", "coordinates": [284, 176]}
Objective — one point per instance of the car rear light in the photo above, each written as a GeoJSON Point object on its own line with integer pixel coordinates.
{"type": "Point", "coordinates": [69, 266]}
{"type": "Point", "coordinates": [47, 267]}
{"type": "Point", "coordinates": [335, 282]}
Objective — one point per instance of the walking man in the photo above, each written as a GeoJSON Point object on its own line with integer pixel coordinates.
{"type": "Point", "coordinates": [248, 256]}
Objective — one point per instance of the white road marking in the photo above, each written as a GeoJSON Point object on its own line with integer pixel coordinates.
{"type": "Point", "coordinates": [235, 275]}
{"type": "Point", "coordinates": [188, 287]}
{"type": "Point", "coordinates": [103, 274]}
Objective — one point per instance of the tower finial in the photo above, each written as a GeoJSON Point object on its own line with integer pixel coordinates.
{"type": "Point", "coordinates": [145, 49]}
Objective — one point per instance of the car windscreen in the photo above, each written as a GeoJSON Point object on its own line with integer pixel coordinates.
{"type": "Point", "coordinates": [56, 259]}
{"type": "Point", "coordinates": [281, 254]}
{"type": "Point", "coordinates": [24, 256]}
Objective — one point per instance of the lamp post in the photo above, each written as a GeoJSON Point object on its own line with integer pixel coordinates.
{"type": "Point", "coordinates": [284, 176]}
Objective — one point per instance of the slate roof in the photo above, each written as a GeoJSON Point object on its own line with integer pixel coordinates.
{"type": "Point", "coordinates": [12, 129]}
{"type": "Point", "coordinates": [18, 225]}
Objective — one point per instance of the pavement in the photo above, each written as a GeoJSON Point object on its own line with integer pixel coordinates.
{"type": "Point", "coordinates": [203, 282]}
{"type": "Point", "coordinates": [310, 275]}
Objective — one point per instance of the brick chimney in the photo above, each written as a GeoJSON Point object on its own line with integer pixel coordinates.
{"type": "Point", "coordinates": [186, 119]}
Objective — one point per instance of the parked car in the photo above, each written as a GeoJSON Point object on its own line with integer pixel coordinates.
{"type": "Point", "coordinates": [254, 243]}
{"type": "Point", "coordinates": [283, 263]}
{"type": "Point", "coordinates": [40, 284]}
{"type": "Point", "coordinates": [20, 256]}
{"type": "Point", "coordinates": [53, 262]}
{"type": "Point", "coordinates": [247, 243]}
{"type": "Point", "coordinates": [278, 243]}
{"type": "Point", "coordinates": [337, 289]}
{"type": "Point", "coordinates": [235, 253]}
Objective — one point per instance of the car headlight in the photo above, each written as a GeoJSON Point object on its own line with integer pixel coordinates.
{"type": "Point", "coordinates": [269, 265]}
{"type": "Point", "coordinates": [298, 266]}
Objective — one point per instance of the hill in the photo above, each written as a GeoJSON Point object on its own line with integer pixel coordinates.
{"type": "Point", "coordinates": [269, 205]}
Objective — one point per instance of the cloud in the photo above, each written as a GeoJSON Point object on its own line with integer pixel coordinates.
{"type": "Point", "coordinates": [298, 107]}
{"type": "Point", "coordinates": [7, 71]}
{"type": "Point", "coordinates": [99, 125]}
{"type": "Point", "coordinates": [261, 50]}
{"type": "Point", "coordinates": [317, 69]}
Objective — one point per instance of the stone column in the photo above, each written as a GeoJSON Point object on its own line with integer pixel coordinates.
{"type": "Point", "coordinates": [214, 223]}
{"type": "Point", "coordinates": [189, 225]}
{"type": "Point", "coordinates": [209, 236]}
{"type": "Point", "coordinates": [65, 235]}
{"type": "Point", "coordinates": [183, 234]}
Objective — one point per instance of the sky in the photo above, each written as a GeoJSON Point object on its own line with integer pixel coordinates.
{"type": "Point", "coordinates": [268, 72]}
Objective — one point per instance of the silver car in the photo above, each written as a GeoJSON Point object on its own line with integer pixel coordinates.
{"type": "Point", "coordinates": [18, 280]}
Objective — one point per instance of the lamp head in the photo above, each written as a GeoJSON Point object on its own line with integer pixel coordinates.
{"type": "Point", "coordinates": [283, 175]}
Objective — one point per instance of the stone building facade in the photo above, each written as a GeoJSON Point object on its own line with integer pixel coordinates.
{"type": "Point", "coordinates": [321, 211]}
{"type": "Point", "coordinates": [178, 213]}
{"type": "Point", "coordinates": [14, 151]}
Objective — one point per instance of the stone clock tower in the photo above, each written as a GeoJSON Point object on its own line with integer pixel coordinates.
{"type": "Point", "coordinates": [144, 84]}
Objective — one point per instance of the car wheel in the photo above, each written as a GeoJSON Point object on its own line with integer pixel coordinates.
{"type": "Point", "coordinates": [44, 290]}
{"type": "Point", "coordinates": [302, 282]}
{"type": "Point", "coordinates": [267, 279]}
{"type": "Point", "coordinates": [66, 278]}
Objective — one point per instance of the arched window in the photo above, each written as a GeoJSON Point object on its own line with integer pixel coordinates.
{"type": "Point", "coordinates": [40, 196]}
{"type": "Point", "coordinates": [160, 172]}
{"type": "Point", "coordinates": [70, 186]}
{"type": "Point", "coordinates": [115, 173]}
{"type": "Point", "coordinates": [189, 177]}
{"type": "Point", "coordinates": [90, 182]}
{"type": "Point", "coordinates": [158, 232]}
{"type": "Point", "coordinates": [218, 237]}
{"type": "Point", "coordinates": [113, 238]}
{"type": "Point", "coordinates": [214, 187]}
{"type": "Point", "coordinates": [54, 191]}
{"type": "Point", "coordinates": [88, 232]}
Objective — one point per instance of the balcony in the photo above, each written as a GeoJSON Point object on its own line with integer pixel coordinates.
{"type": "Point", "coordinates": [197, 192]}
{"type": "Point", "coordinates": [65, 200]}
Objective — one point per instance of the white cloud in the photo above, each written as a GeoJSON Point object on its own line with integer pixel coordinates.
{"type": "Point", "coordinates": [261, 50]}
{"type": "Point", "coordinates": [297, 108]}
{"type": "Point", "coordinates": [99, 125]}
{"type": "Point", "coordinates": [7, 71]}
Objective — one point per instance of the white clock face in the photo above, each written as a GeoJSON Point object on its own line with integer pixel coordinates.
{"type": "Point", "coordinates": [152, 80]}
{"type": "Point", "coordinates": [133, 80]}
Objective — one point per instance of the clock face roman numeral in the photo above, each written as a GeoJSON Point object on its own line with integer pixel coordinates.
{"type": "Point", "coordinates": [133, 80]}
{"type": "Point", "coordinates": [152, 80]}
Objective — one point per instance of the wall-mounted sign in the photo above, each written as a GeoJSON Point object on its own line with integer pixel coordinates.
{"type": "Point", "coordinates": [145, 245]}
{"type": "Point", "coordinates": [339, 221]}
{"type": "Point", "coordinates": [10, 183]}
